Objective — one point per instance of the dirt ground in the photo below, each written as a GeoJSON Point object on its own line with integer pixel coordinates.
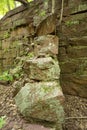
{"type": "Point", "coordinates": [75, 112]}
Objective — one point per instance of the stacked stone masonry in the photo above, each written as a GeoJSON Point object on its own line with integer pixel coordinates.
{"type": "Point", "coordinates": [42, 97]}
{"type": "Point", "coordinates": [73, 49]}
{"type": "Point", "coordinates": [31, 35]}
{"type": "Point", "coordinates": [20, 26]}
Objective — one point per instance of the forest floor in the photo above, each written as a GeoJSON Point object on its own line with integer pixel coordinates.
{"type": "Point", "coordinates": [74, 107]}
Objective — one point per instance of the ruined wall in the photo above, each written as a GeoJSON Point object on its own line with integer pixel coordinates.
{"type": "Point", "coordinates": [73, 48]}
{"type": "Point", "coordinates": [20, 26]}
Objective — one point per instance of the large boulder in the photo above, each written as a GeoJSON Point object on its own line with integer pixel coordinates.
{"type": "Point", "coordinates": [41, 100]}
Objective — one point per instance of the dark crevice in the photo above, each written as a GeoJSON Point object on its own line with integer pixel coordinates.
{"type": "Point", "coordinates": [80, 12]}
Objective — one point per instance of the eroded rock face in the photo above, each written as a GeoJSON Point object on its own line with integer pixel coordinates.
{"type": "Point", "coordinates": [41, 100]}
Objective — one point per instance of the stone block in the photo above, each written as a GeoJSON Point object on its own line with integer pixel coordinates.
{"type": "Point", "coordinates": [78, 41]}
{"type": "Point", "coordinates": [75, 7]}
{"type": "Point", "coordinates": [74, 26]}
{"type": "Point", "coordinates": [74, 84]}
{"type": "Point", "coordinates": [68, 67]}
{"type": "Point", "coordinates": [46, 45]}
{"type": "Point", "coordinates": [62, 56]}
{"type": "Point", "coordinates": [19, 22]}
{"type": "Point", "coordinates": [47, 26]}
{"type": "Point", "coordinates": [45, 69]}
{"type": "Point", "coordinates": [77, 52]}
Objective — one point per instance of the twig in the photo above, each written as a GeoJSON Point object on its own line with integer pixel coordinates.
{"type": "Point", "coordinates": [61, 14]}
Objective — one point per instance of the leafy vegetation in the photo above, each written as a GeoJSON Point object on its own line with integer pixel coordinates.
{"type": "Point", "coordinates": [2, 121]}
{"type": "Point", "coordinates": [42, 13]}
{"type": "Point", "coordinates": [10, 76]}
{"type": "Point", "coordinates": [30, 55]}
{"type": "Point", "coordinates": [6, 76]}
{"type": "Point", "coordinates": [6, 5]}
{"type": "Point", "coordinates": [70, 23]}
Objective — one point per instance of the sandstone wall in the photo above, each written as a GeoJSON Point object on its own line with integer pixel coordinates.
{"type": "Point", "coordinates": [73, 49]}
{"type": "Point", "coordinates": [20, 26]}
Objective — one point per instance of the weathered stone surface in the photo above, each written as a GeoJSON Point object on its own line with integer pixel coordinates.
{"type": "Point", "coordinates": [77, 52]}
{"type": "Point", "coordinates": [21, 24]}
{"type": "Point", "coordinates": [62, 54]}
{"type": "Point", "coordinates": [41, 100]}
{"type": "Point", "coordinates": [72, 55]}
{"type": "Point", "coordinates": [74, 84]}
{"type": "Point", "coordinates": [74, 66]}
{"type": "Point", "coordinates": [47, 26]}
{"type": "Point", "coordinates": [73, 49]}
{"type": "Point", "coordinates": [20, 33]}
{"type": "Point", "coordinates": [75, 7]}
{"type": "Point", "coordinates": [69, 67]}
{"type": "Point", "coordinates": [74, 25]}
{"type": "Point", "coordinates": [78, 41]}
{"type": "Point", "coordinates": [47, 44]}
{"type": "Point", "coordinates": [27, 25]}
{"type": "Point", "coordinates": [42, 69]}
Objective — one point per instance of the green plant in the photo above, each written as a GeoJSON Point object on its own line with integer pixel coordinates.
{"type": "Point", "coordinates": [42, 13]}
{"type": "Point", "coordinates": [6, 50]}
{"type": "Point", "coordinates": [30, 55]}
{"type": "Point", "coordinates": [6, 76]}
{"type": "Point", "coordinates": [17, 75]}
{"type": "Point", "coordinates": [6, 35]}
{"type": "Point", "coordinates": [2, 121]}
{"type": "Point", "coordinates": [70, 23]}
